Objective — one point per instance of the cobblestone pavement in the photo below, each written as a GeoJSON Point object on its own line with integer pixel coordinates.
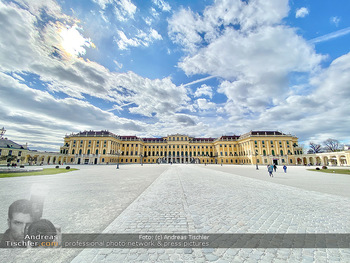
{"type": "Point", "coordinates": [198, 199]}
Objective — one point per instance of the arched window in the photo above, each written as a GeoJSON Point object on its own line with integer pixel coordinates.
{"type": "Point", "coordinates": [88, 152]}
{"type": "Point", "coordinates": [73, 151]}
{"type": "Point", "coordinates": [264, 152]}
{"type": "Point", "coordinates": [281, 152]}
{"type": "Point", "coordinates": [96, 151]}
{"type": "Point", "coordinates": [273, 152]}
{"type": "Point", "coordinates": [104, 152]}
{"type": "Point", "coordinates": [80, 151]}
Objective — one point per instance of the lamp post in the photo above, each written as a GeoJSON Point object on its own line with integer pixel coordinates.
{"type": "Point", "coordinates": [141, 158]}
{"type": "Point", "coordinates": [119, 152]}
{"type": "Point", "coordinates": [256, 159]}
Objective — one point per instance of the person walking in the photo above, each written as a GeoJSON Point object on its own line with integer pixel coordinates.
{"type": "Point", "coordinates": [285, 168]}
{"type": "Point", "coordinates": [270, 170]}
{"type": "Point", "coordinates": [275, 167]}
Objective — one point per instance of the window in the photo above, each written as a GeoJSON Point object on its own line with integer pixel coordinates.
{"type": "Point", "coordinates": [88, 152]}
{"type": "Point", "coordinates": [96, 151]}
{"type": "Point", "coordinates": [104, 151]}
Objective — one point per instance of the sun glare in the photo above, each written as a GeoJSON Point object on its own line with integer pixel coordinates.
{"type": "Point", "coordinates": [73, 43]}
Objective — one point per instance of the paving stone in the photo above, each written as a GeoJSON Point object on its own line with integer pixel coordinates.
{"type": "Point", "coordinates": [198, 199]}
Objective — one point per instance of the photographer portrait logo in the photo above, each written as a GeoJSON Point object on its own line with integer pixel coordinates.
{"type": "Point", "coordinates": [25, 230]}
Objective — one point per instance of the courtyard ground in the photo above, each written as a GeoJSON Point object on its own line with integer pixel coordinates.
{"type": "Point", "coordinates": [186, 199]}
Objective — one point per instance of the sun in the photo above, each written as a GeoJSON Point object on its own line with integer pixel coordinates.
{"type": "Point", "coordinates": [73, 43]}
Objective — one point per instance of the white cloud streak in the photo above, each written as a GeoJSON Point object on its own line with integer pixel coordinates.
{"type": "Point", "coordinates": [330, 36]}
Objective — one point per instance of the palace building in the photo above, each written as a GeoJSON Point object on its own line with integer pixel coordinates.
{"type": "Point", "coordinates": [254, 147]}
{"type": "Point", "coordinates": [14, 153]}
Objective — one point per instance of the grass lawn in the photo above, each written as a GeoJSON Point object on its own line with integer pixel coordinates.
{"type": "Point", "coordinates": [336, 171]}
{"type": "Point", "coordinates": [46, 171]}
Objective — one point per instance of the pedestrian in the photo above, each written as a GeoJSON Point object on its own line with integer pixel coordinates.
{"type": "Point", "coordinates": [275, 167]}
{"type": "Point", "coordinates": [270, 170]}
{"type": "Point", "coordinates": [285, 168]}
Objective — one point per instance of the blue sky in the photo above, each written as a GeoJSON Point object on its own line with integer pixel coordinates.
{"type": "Point", "coordinates": [153, 68]}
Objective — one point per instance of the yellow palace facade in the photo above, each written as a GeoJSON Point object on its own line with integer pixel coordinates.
{"type": "Point", "coordinates": [254, 147]}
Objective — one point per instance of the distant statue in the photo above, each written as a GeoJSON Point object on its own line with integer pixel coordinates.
{"type": "Point", "coordinates": [2, 132]}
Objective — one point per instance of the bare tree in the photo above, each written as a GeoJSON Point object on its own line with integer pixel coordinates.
{"type": "Point", "coordinates": [316, 148]}
{"type": "Point", "coordinates": [303, 148]}
{"type": "Point", "coordinates": [332, 145]}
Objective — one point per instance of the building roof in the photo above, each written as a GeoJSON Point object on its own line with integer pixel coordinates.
{"type": "Point", "coordinates": [203, 139]}
{"type": "Point", "coordinates": [128, 137]}
{"type": "Point", "coordinates": [153, 139]}
{"type": "Point", "coordinates": [191, 139]}
{"type": "Point", "coordinates": [231, 137]}
{"type": "Point", "coordinates": [266, 133]}
{"type": "Point", "coordinates": [92, 133]}
{"type": "Point", "coordinates": [5, 143]}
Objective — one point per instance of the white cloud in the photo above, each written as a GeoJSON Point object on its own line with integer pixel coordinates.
{"type": "Point", "coordinates": [141, 39]}
{"type": "Point", "coordinates": [162, 5]}
{"type": "Point", "coordinates": [154, 12]}
{"type": "Point", "coordinates": [254, 57]}
{"type": "Point", "coordinates": [73, 42]}
{"type": "Point", "coordinates": [23, 50]}
{"type": "Point", "coordinates": [204, 90]}
{"type": "Point", "coordinates": [204, 104]}
{"type": "Point", "coordinates": [103, 3]}
{"type": "Point", "coordinates": [301, 12]}
{"type": "Point", "coordinates": [335, 20]}
{"type": "Point", "coordinates": [119, 65]}
{"type": "Point", "coordinates": [124, 42]}
{"type": "Point", "coordinates": [124, 10]}
{"type": "Point", "coordinates": [24, 107]}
